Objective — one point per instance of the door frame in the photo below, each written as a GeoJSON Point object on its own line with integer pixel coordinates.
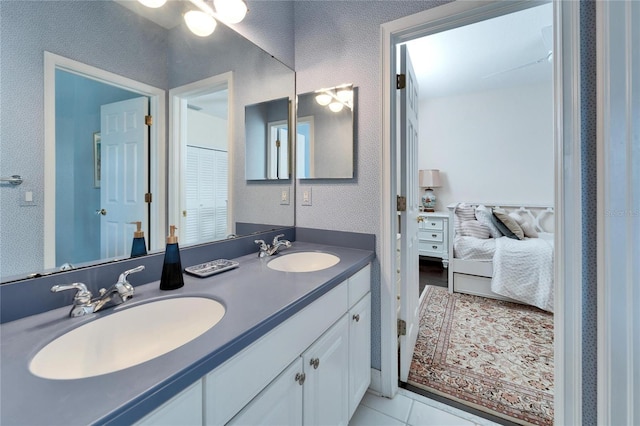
{"type": "Point", "coordinates": [157, 169]}
{"type": "Point", "coordinates": [177, 149]}
{"type": "Point", "coordinates": [568, 223]}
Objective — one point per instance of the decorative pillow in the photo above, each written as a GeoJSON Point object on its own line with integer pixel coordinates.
{"type": "Point", "coordinates": [473, 228]}
{"type": "Point", "coordinates": [484, 216]}
{"type": "Point", "coordinates": [527, 228]}
{"type": "Point", "coordinates": [463, 212]}
{"type": "Point", "coordinates": [507, 225]}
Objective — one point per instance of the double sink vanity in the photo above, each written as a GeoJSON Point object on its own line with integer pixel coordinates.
{"type": "Point", "coordinates": [280, 339]}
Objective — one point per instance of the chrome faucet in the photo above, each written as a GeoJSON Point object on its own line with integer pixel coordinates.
{"type": "Point", "coordinates": [83, 302]}
{"type": "Point", "coordinates": [270, 250]}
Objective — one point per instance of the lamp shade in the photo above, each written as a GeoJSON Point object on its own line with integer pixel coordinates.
{"type": "Point", "coordinates": [430, 178]}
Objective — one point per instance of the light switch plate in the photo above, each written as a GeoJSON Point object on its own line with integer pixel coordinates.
{"type": "Point", "coordinates": [306, 196]}
{"type": "Point", "coordinates": [28, 197]}
{"type": "Point", "coordinates": [284, 197]}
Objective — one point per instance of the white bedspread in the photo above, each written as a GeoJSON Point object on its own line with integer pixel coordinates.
{"type": "Point", "coordinates": [523, 270]}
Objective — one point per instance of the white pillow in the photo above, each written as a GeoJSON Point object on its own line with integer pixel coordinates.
{"type": "Point", "coordinates": [473, 228]}
{"type": "Point", "coordinates": [527, 228]}
{"type": "Point", "coordinates": [483, 215]}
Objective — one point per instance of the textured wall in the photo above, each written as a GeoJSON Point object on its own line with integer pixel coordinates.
{"type": "Point", "coordinates": [588, 131]}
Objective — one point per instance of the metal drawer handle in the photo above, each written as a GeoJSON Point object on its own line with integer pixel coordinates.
{"type": "Point", "coordinates": [435, 247]}
{"type": "Point", "coordinates": [434, 235]}
{"type": "Point", "coordinates": [300, 378]}
{"type": "Point", "coordinates": [314, 362]}
{"type": "Point", "coordinates": [356, 317]}
{"type": "Point", "coordinates": [433, 224]}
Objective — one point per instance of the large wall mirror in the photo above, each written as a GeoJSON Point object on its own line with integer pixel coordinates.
{"type": "Point", "coordinates": [325, 133]}
{"type": "Point", "coordinates": [73, 75]}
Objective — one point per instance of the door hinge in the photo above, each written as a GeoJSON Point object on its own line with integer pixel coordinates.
{"type": "Point", "coordinates": [401, 203]}
{"type": "Point", "coordinates": [401, 81]}
{"type": "Point", "coordinates": [148, 120]}
{"type": "Point", "coordinates": [147, 197]}
{"type": "Point", "coordinates": [402, 327]}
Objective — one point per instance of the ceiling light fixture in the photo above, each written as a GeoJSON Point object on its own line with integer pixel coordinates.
{"type": "Point", "coordinates": [231, 11]}
{"type": "Point", "coordinates": [202, 22]}
{"type": "Point", "coordinates": [153, 4]}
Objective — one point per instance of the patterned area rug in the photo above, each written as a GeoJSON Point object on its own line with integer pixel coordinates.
{"type": "Point", "coordinates": [492, 355]}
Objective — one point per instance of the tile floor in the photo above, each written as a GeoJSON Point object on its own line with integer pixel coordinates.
{"type": "Point", "coordinates": [410, 409]}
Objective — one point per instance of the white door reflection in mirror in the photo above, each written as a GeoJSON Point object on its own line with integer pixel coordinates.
{"type": "Point", "coordinates": [199, 202]}
{"type": "Point", "coordinates": [278, 153]}
{"type": "Point", "coordinates": [123, 174]}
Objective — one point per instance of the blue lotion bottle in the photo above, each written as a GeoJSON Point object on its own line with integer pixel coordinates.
{"type": "Point", "coordinates": [139, 246]}
{"type": "Point", "coordinates": [171, 278]}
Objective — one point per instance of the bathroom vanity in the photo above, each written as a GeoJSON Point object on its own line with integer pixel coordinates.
{"type": "Point", "coordinates": [291, 348]}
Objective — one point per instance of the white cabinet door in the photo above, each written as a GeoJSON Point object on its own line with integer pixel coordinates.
{"type": "Point", "coordinates": [183, 409]}
{"type": "Point", "coordinates": [359, 351]}
{"type": "Point", "coordinates": [279, 404]}
{"type": "Point", "coordinates": [326, 363]}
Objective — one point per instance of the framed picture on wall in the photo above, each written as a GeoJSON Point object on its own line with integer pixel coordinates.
{"type": "Point", "coordinates": [96, 159]}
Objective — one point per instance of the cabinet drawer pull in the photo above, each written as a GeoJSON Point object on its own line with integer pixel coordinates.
{"type": "Point", "coordinates": [433, 224]}
{"type": "Point", "coordinates": [300, 378]}
{"type": "Point", "coordinates": [314, 362]}
{"type": "Point", "coordinates": [434, 247]}
{"type": "Point", "coordinates": [434, 235]}
{"type": "Point", "coordinates": [356, 317]}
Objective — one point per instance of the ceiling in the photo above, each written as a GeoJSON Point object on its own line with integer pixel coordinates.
{"type": "Point", "coordinates": [485, 55]}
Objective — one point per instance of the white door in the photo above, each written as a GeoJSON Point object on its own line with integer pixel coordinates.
{"type": "Point", "coordinates": [124, 177]}
{"type": "Point", "coordinates": [408, 219]}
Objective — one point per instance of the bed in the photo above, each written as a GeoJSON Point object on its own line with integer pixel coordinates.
{"type": "Point", "coordinates": [500, 267]}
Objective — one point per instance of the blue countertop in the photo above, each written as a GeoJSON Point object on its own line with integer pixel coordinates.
{"type": "Point", "coordinates": [256, 299]}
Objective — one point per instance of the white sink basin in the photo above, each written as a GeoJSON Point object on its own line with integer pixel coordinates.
{"type": "Point", "coordinates": [305, 261]}
{"type": "Point", "coordinates": [126, 338]}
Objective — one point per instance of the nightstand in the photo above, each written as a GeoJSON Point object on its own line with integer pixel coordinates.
{"type": "Point", "coordinates": [433, 239]}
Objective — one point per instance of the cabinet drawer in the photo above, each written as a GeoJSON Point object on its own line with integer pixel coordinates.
{"type": "Point", "coordinates": [435, 236]}
{"type": "Point", "coordinates": [428, 247]}
{"type": "Point", "coordinates": [430, 223]}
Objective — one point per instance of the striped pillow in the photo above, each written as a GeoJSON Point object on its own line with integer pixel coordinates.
{"type": "Point", "coordinates": [463, 212]}
{"type": "Point", "coordinates": [473, 228]}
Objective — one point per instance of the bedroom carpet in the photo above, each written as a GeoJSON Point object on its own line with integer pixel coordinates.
{"type": "Point", "coordinates": [491, 355]}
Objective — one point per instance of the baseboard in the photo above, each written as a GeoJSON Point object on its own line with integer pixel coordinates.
{"type": "Point", "coordinates": [376, 382]}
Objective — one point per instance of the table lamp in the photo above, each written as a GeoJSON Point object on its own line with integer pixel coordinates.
{"type": "Point", "coordinates": [429, 179]}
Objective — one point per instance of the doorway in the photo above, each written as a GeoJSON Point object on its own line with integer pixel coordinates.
{"type": "Point", "coordinates": [200, 187]}
{"type": "Point", "coordinates": [64, 80]}
{"type": "Point", "coordinates": [567, 298]}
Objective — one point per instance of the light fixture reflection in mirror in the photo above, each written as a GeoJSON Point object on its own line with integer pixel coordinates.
{"type": "Point", "coordinates": [325, 133]}
{"type": "Point", "coordinates": [200, 23]}
{"type": "Point", "coordinates": [336, 98]}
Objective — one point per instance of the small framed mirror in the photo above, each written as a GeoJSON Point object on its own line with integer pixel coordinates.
{"type": "Point", "coordinates": [267, 140]}
{"type": "Point", "coordinates": [325, 133]}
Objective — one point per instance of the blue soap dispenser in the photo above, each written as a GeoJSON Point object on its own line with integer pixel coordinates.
{"type": "Point", "coordinates": [171, 278]}
{"type": "Point", "coordinates": [139, 246]}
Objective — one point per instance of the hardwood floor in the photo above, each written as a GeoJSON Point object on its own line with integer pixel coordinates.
{"type": "Point", "coordinates": [432, 273]}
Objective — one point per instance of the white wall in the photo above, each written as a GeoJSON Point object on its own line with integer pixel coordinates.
{"type": "Point", "coordinates": [207, 131]}
{"type": "Point", "coordinates": [493, 146]}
